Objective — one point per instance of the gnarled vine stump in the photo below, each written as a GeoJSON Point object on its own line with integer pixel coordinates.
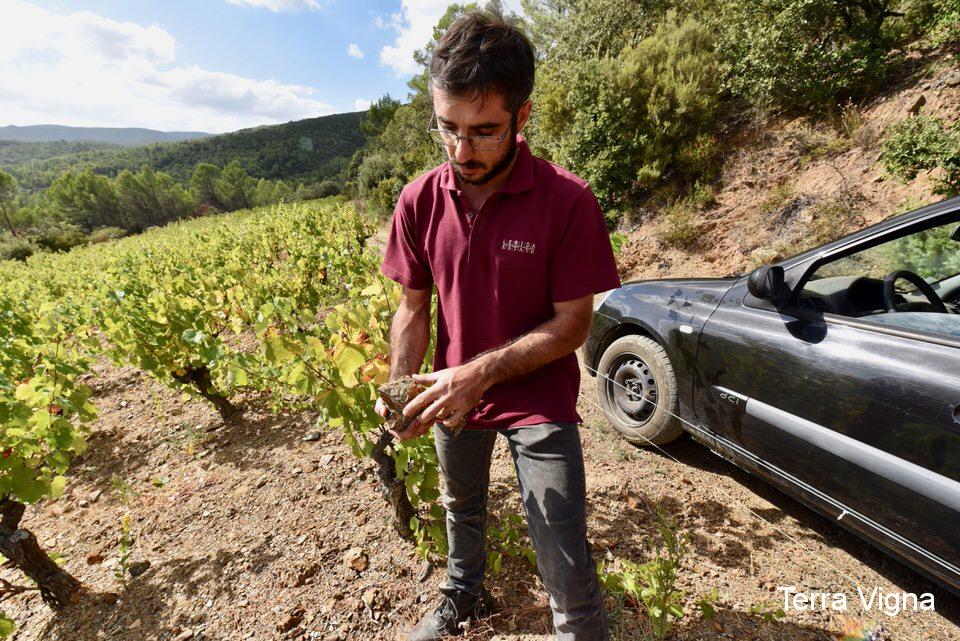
{"type": "Point", "coordinates": [58, 588]}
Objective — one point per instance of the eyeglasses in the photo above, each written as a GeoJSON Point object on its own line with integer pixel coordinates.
{"type": "Point", "coordinates": [449, 138]}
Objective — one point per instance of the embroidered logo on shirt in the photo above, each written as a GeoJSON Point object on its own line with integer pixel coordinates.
{"type": "Point", "coordinates": [519, 246]}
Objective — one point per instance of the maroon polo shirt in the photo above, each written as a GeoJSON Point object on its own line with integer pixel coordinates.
{"type": "Point", "coordinates": [539, 239]}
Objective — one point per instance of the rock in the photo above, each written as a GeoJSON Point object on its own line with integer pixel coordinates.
{"type": "Point", "coordinates": [138, 568]}
{"type": "Point", "coordinates": [94, 496]}
{"type": "Point", "coordinates": [183, 636]}
{"type": "Point", "coordinates": [356, 559]}
{"type": "Point", "coordinates": [914, 109]}
{"type": "Point", "coordinates": [311, 436]}
{"type": "Point", "coordinates": [953, 80]}
{"type": "Point", "coordinates": [306, 574]}
{"type": "Point", "coordinates": [371, 597]}
{"type": "Point", "coordinates": [83, 503]}
{"type": "Point", "coordinates": [326, 459]}
{"type": "Point", "coordinates": [291, 620]}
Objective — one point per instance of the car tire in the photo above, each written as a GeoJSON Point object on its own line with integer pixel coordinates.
{"type": "Point", "coordinates": [637, 389]}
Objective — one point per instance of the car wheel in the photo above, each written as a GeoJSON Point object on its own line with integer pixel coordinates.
{"type": "Point", "coordinates": [637, 390]}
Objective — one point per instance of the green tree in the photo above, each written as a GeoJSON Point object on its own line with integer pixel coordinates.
{"type": "Point", "coordinates": [8, 192]}
{"type": "Point", "coordinates": [235, 188]}
{"type": "Point", "coordinates": [804, 54]}
{"type": "Point", "coordinates": [378, 116]}
{"type": "Point", "coordinates": [85, 199]}
{"type": "Point", "coordinates": [621, 121]}
{"type": "Point", "coordinates": [203, 185]}
{"type": "Point", "coordinates": [150, 198]}
{"type": "Point", "coordinates": [403, 149]}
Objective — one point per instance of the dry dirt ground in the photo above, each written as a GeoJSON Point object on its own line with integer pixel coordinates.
{"type": "Point", "coordinates": [253, 532]}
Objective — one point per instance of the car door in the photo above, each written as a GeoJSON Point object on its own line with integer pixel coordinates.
{"type": "Point", "coordinates": [862, 422]}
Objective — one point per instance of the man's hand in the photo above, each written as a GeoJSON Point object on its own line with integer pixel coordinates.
{"type": "Point", "coordinates": [381, 408]}
{"type": "Point", "coordinates": [452, 392]}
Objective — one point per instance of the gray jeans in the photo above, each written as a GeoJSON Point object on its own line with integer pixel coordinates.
{"type": "Point", "coordinates": [549, 464]}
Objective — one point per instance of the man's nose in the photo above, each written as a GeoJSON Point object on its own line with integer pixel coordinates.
{"type": "Point", "coordinates": [463, 151]}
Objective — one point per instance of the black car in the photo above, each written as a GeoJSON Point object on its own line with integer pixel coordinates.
{"type": "Point", "coordinates": [834, 375]}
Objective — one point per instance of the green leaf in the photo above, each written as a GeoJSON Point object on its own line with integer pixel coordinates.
{"type": "Point", "coordinates": [57, 485]}
{"type": "Point", "coordinates": [275, 351]}
{"type": "Point", "coordinates": [236, 377]}
{"type": "Point", "coordinates": [192, 336]}
{"type": "Point", "coordinates": [347, 361]}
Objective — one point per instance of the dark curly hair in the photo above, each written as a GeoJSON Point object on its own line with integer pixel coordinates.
{"type": "Point", "coordinates": [481, 54]}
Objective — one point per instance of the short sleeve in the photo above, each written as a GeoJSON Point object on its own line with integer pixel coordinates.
{"type": "Point", "coordinates": [403, 260]}
{"type": "Point", "coordinates": [583, 263]}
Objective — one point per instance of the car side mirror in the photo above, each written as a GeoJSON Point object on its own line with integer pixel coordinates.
{"type": "Point", "coordinates": [766, 282]}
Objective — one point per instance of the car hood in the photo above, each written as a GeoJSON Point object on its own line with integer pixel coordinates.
{"type": "Point", "coordinates": [703, 286]}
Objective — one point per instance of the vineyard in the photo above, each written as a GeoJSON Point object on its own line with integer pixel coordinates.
{"type": "Point", "coordinates": [283, 303]}
{"type": "Point", "coordinates": [190, 451]}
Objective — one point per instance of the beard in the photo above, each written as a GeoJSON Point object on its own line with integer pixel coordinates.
{"type": "Point", "coordinates": [498, 167]}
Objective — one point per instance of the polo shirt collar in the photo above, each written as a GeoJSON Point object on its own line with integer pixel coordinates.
{"type": "Point", "coordinates": [519, 180]}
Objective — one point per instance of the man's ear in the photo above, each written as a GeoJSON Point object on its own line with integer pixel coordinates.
{"type": "Point", "coordinates": [523, 114]}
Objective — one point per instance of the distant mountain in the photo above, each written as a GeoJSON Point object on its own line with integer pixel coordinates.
{"type": "Point", "coordinates": [308, 151]}
{"type": "Point", "coordinates": [126, 136]}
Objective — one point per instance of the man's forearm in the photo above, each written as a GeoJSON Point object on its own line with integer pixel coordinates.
{"type": "Point", "coordinates": [545, 343]}
{"type": "Point", "coordinates": [409, 338]}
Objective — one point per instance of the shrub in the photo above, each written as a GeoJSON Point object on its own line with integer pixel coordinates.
{"type": "Point", "coordinates": [58, 237]}
{"type": "Point", "coordinates": [833, 217]}
{"type": "Point", "coordinates": [702, 195]}
{"type": "Point", "coordinates": [375, 169]}
{"type": "Point", "coordinates": [776, 198]}
{"type": "Point", "coordinates": [937, 21]}
{"type": "Point", "coordinates": [621, 121]}
{"type": "Point", "coordinates": [654, 583]}
{"type": "Point", "coordinates": [803, 54]}
{"type": "Point", "coordinates": [701, 157]}
{"type": "Point", "coordinates": [15, 248]}
{"type": "Point", "coordinates": [811, 142]}
{"type": "Point", "coordinates": [104, 234]}
{"type": "Point", "coordinates": [922, 143]}
{"type": "Point", "coordinates": [384, 197]}
{"type": "Point", "coordinates": [678, 225]}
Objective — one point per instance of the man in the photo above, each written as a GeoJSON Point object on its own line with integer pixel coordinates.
{"type": "Point", "coordinates": [516, 247]}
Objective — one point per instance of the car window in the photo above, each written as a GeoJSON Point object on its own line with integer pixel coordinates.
{"type": "Point", "coordinates": [854, 285]}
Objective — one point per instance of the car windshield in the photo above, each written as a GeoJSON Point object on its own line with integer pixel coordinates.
{"type": "Point", "coordinates": [933, 254]}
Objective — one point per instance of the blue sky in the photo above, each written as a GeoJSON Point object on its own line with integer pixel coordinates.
{"type": "Point", "coordinates": [209, 65]}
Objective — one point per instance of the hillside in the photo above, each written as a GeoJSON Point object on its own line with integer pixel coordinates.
{"type": "Point", "coordinates": [309, 150]}
{"type": "Point", "coordinates": [788, 185]}
{"type": "Point", "coordinates": [127, 136]}
{"type": "Point", "coordinates": [261, 527]}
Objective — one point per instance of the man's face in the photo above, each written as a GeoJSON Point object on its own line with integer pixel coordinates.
{"type": "Point", "coordinates": [478, 117]}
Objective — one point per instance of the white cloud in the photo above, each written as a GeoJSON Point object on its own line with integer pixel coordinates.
{"type": "Point", "coordinates": [354, 51]}
{"type": "Point", "coordinates": [361, 104]}
{"type": "Point", "coordinates": [393, 21]}
{"type": "Point", "coordinates": [414, 26]}
{"type": "Point", "coordinates": [83, 69]}
{"type": "Point", "coordinates": [279, 6]}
